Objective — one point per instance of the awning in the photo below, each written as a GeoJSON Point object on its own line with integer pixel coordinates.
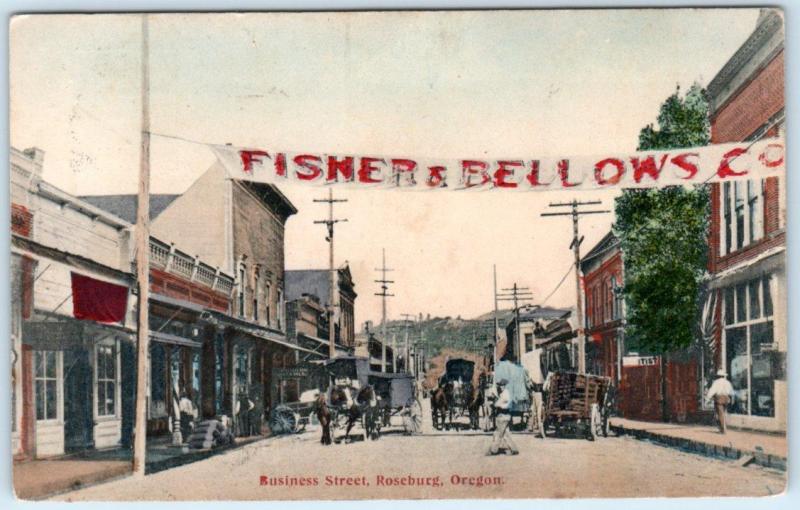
{"type": "Point", "coordinates": [57, 332]}
{"type": "Point", "coordinates": [167, 338]}
{"type": "Point", "coordinates": [767, 262]}
{"type": "Point", "coordinates": [253, 330]}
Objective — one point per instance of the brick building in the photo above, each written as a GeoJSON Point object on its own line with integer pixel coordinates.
{"type": "Point", "coordinates": [602, 277]}
{"type": "Point", "coordinates": [747, 242]}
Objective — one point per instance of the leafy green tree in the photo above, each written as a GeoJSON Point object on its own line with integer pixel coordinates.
{"type": "Point", "coordinates": [663, 235]}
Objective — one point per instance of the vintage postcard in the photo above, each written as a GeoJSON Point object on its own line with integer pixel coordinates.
{"type": "Point", "coordinates": [398, 255]}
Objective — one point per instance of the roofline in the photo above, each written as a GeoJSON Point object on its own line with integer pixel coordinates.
{"type": "Point", "coordinates": [56, 194]}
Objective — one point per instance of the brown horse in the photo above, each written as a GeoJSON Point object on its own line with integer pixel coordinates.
{"type": "Point", "coordinates": [362, 405]}
{"type": "Point", "coordinates": [476, 400]}
{"type": "Point", "coordinates": [324, 418]}
{"type": "Point", "coordinates": [441, 407]}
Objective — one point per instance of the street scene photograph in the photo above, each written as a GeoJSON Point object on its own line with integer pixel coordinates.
{"type": "Point", "coordinates": [398, 255]}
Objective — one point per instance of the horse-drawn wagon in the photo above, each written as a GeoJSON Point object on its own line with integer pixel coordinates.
{"type": "Point", "coordinates": [577, 402]}
{"type": "Point", "coordinates": [460, 392]}
{"type": "Point", "coordinates": [397, 396]}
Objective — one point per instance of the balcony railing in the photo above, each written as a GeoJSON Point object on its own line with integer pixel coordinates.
{"type": "Point", "coordinates": [165, 257]}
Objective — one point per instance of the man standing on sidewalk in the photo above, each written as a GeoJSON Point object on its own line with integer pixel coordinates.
{"type": "Point", "coordinates": [721, 392]}
{"type": "Point", "coordinates": [502, 432]}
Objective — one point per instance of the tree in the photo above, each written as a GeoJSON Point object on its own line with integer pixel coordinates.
{"type": "Point", "coordinates": [663, 234]}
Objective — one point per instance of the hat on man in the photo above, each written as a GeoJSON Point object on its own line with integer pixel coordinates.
{"type": "Point", "coordinates": [721, 373]}
{"type": "Point", "coordinates": [502, 382]}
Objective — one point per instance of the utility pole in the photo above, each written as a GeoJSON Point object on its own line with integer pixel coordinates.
{"type": "Point", "coordinates": [496, 324]}
{"type": "Point", "coordinates": [407, 353]}
{"type": "Point", "coordinates": [516, 294]}
{"type": "Point", "coordinates": [575, 245]}
{"type": "Point", "coordinates": [330, 222]}
{"type": "Point", "coordinates": [384, 294]}
{"type": "Point", "coordinates": [143, 263]}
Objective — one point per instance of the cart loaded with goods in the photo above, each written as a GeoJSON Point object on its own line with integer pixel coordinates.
{"type": "Point", "coordinates": [577, 403]}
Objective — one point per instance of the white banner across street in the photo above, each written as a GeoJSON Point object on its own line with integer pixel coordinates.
{"type": "Point", "coordinates": [712, 163]}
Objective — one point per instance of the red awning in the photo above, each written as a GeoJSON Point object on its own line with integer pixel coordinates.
{"type": "Point", "coordinates": [97, 300]}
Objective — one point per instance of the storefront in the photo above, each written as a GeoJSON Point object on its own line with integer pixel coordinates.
{"type": "Point", "coordinates": [753, 343]}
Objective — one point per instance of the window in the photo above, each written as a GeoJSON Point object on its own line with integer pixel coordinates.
{"type": "Point", "coordinates": [255, 297]}
{"type": "Point", "coordinates": [241, 369]}
{"type": "Point", "coordinates": [46, 381]}
{"type": "Point", "coordinates": [749, 346]}
{"type": "Point", "coordinates": [742, 221]}
{"type": "Point", "coordinates": [106, 368]}
{"type": "Point", "coordinates": [528, 342]}
{"type": "Point", "coordinates": [241, 290]}
{"type": "Point", "coordinates": [267, 299]}
{"type": "Point", "coordinates": [280, 309]}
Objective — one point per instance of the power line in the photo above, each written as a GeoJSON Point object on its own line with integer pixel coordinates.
{"type": "Point", "coordinates": [563, 278]}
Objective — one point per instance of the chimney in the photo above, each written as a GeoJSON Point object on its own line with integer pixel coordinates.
{"type": "Point", "coordinates": [36, 155]}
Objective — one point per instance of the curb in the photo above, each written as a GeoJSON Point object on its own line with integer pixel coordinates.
{"type": "Point", "coordinates": [709, 450]}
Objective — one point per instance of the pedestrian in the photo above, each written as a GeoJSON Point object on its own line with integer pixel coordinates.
{"type": "Point", "coordinates": [502, 432]}
{"type": "Point", "coordinates": [188, 414]}
{"type": "Point", "coordinates": [721, 392]}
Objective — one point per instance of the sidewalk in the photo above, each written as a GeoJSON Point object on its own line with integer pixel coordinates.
{"type": "Point", "coordinates": [769, 450]}
{"type": "Point", "coordinates": [38, 479]}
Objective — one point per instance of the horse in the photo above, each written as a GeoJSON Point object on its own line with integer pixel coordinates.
{"type": "Point", "coordinates": [364, 404]}
{"type": "Point", "coordinates": [324, 418]}
{"type": "Point", "coordinates": [476, 401]}
{"type": "Point", "coordinates": [442, 400]}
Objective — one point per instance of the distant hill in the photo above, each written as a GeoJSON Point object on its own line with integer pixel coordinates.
{"type": "Point", "coordinates": [438, 333]}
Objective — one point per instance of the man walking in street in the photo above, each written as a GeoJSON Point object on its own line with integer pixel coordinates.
{"type": "Point", "coordinates": [502, 432]}
{"type": "Point", "coordinates": [721, 392]}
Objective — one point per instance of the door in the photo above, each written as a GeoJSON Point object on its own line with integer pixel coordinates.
{"type": "Point", "coordinates": [78, 417]}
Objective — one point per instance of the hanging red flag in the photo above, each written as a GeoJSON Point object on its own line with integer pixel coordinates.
{"type": "Point", "coordinates": [97, 300]}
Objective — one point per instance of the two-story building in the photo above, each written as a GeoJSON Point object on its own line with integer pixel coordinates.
{"type": "Point", "coordinates": [72, 316]}
{"type": "Point", "coordinates": [747, 241]}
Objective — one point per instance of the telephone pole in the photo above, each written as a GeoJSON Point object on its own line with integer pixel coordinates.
{"type": "Point", "coordinates": [575, 245]}
{"type": "Point", "coordinates": [516, 294]}
{"type": "Point", "coordinates": [330, 222]}
{"type": "Point", "coordinates": [143, 264]}
{"type": "Point", "coordinates": [384, 294]}
{"type": "Point", "coordinates": [496, 324]}
{"type": "Point", "coordinates": [407, 353]}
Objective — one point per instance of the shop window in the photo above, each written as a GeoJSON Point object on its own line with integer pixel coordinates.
{"type": "Point", "coordinates": [106, 369]}
{"type": "Point", "coordinates": [750, 353]}
{"type": "Point", "coordinates": [46, 381]}
{"type": "Point", "coordinates": [158, 381]}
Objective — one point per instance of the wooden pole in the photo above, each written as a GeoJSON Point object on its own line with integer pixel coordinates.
{"type": "Point", "coordinates": [332, 295]}
{"type": "Point", "coordinates": [576, 247]}
{"type": "Point", "coordinates": [143, 264]}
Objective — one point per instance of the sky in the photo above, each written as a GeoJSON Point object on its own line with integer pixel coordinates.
{"type": "Point", "coordinates": [485, 84]}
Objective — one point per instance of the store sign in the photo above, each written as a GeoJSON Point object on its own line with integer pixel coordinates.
{"type": "Point", "coordinates": [532, 172]}
{"type": "Point", "coordinates": [640, 361]}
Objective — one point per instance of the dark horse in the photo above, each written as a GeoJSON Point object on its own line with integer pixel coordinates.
{"type": "Point", "coordinates": [475, 401]}
{"type": "Point", "coordinates": [363, 405]}
{"type": "Point", "coordinates": [441, 405]}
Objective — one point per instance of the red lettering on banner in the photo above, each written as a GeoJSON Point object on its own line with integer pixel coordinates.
{"type": "Point", "coordinates": [563, 173]}
{"type": "Point", "coordinates": [771, 163]}
{"type": "Point", "coordinates": [280, 164]}
{"type": "Point", "coordinates": [614, 179]}
{"type": "Point", "coordinates": [401, 166]}
{"type": "Point", "coordinates": [725, 169]}
{"type": "Point", "coordinates": [506, 169]}
{"type": "Point", "coordinates": [470, 167]}
{"type": "Point", "coordinates": [365, 170]}
{"type": "Point", "coordinates": [437, 177]}
{"type": "Point", "coordinates": [533, 175]}
{"type": "Point", "coordinates": [309, 162]}
{"type": "Point", "coordinates": [336, 167]}
{"type": "Point", "coordinates": [681, 162]}
{"type": "Point", "coordinates": [647, 166]}
{"type": "Point", "coordinates": [250, 157]}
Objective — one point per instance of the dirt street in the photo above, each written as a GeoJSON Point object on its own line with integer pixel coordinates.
{"type": "Point", "coordinates": [443, 465]}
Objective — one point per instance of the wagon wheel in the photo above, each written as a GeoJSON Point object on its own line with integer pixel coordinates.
{"type": "Point", "coordinates": [412, 419]}
{"type": "Point", "coordinates": [284, 421]}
